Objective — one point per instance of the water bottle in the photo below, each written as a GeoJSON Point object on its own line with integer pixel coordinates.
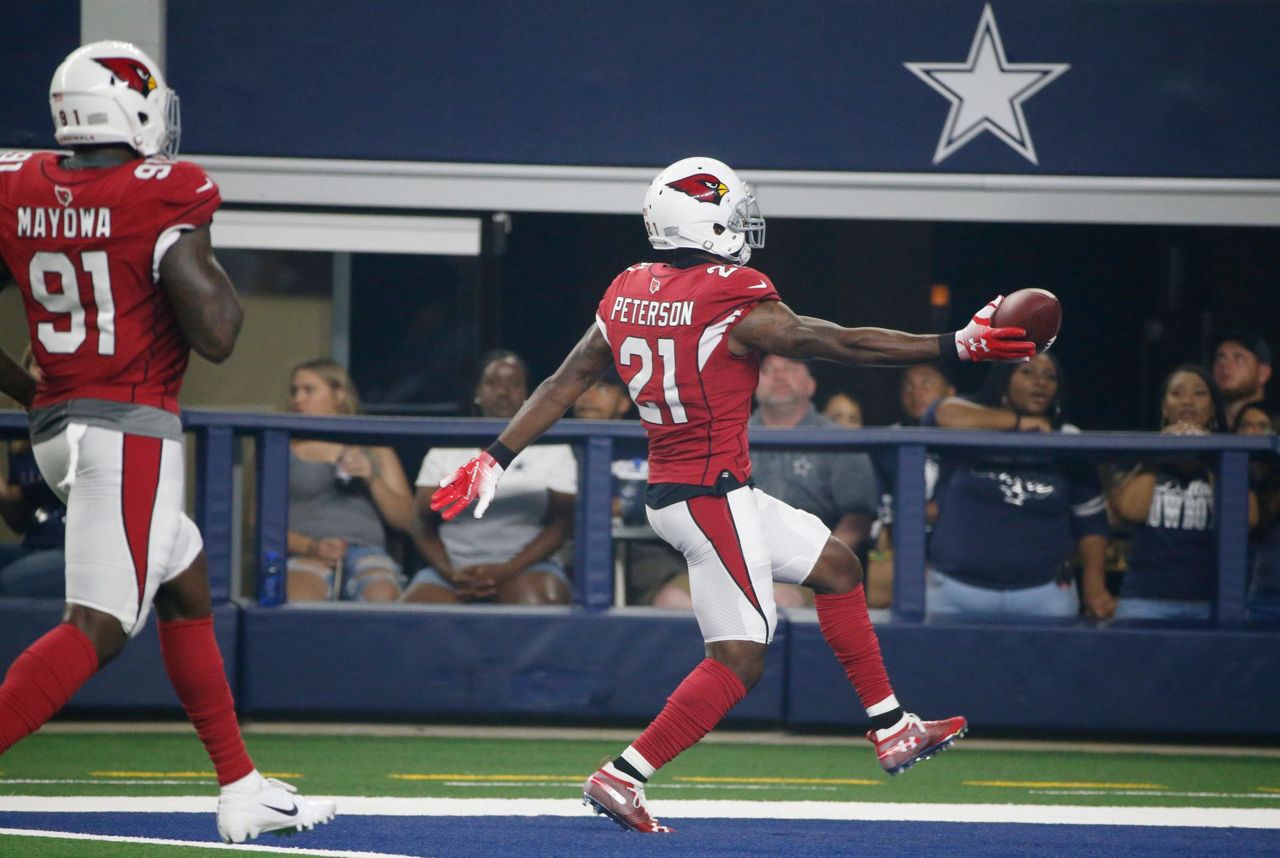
{"type": "Point", "coordinates": [271, 580]}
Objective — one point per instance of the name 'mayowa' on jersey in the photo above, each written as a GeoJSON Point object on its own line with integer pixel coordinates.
{"type": "Point", "coordinates": [39, 222]}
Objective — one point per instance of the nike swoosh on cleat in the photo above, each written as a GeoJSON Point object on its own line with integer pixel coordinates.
{"type": "Point", "coordinates": [293, 811]}
{"type": "Point", "coordinates": [613, 793]}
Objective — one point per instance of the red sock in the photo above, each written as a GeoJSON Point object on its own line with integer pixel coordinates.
{"type": "Point", "coordinates": [847, 630]}
{"type": "Point", "coordinates": [42, 679]}
{"type": "Point", "coordinates": [194, 665]}
{"type": "Point", "coordinates": [696, 706]}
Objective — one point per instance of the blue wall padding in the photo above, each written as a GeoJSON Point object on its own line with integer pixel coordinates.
{"type": "Point", "coordinates": [570, 665]}
{"type": "Point", "coordinates": [136, 678]}
{"type": "Point", "coordinates": [600, 85]}
{"type": "Point", "coordinates": [1059, 678]}
{"type": "Point", "coordinates": [398, 661]}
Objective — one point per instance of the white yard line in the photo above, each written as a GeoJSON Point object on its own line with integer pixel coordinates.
{"type": "Point", "coordinates": [626, 735]}
{"type": "Point", "coordinates": [1197, 817]}
{"type": "Point", "coordinates": [156, 841]}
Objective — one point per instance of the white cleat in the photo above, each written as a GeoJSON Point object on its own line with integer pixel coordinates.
{"type": "Point", "coordinates": [255, 805]}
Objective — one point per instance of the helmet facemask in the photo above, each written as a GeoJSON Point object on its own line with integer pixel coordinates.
{"type": "Point", "coordinates": [747, 220]}
{"type": "Point", "coordinates": [168, 144]}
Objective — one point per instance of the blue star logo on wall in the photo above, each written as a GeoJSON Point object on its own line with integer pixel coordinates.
{"type": "Point", "coordinates": [986, 92]}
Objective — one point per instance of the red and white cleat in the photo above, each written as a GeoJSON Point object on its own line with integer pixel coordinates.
{"type": "Point", "coordinates": [916, 741]}
{"type": "Point", "coordinates": [621, 801]}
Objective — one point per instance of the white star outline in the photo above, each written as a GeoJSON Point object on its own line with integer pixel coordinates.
{"type": "Point", "coordinates": [986, 92]}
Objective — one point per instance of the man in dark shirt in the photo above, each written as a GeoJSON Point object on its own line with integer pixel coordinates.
{"type": "Point", "coordinates": [839, 488]}
{"type": "Point", "coordinates": [1241, 369]}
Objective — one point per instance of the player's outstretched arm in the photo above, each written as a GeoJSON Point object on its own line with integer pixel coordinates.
{"type": "Point", "coordinates": [773, 327]}
{"type": "Point", "coordinates": [584, 366]}
{"type": "Point", "coordinates": [202, 296]}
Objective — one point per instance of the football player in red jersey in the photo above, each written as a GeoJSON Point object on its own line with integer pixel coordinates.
{"type": "Point", "coordinates": [687, 335]}
{"type": "Point", "coordinates": [110, 247]}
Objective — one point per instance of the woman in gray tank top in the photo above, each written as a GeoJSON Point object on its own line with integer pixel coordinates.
{"type": "Point", "coordinates": [341, 498]}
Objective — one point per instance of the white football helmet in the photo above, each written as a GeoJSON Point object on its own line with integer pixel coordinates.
{"type": "Point", "coordinates": [111, 92]}
{"type": "Point", "coordinates": [701, 203]}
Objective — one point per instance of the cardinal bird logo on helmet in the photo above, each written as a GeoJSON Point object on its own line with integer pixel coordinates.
{"type": "Point", "coordinates": [134, 74]}
{"type": "Point", "coordinates": [703, 187]}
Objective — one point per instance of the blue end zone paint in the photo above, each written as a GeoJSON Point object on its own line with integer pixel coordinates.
{"type": "Point", "coordinates": [524, 837]}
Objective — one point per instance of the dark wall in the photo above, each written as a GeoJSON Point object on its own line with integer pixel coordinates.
{"type": "Point", "coordinates": [413, 329]}
{"type": "Point", "coordinates": [1137, 300]}
{"type": "Point", "coordinates": [857, 272]}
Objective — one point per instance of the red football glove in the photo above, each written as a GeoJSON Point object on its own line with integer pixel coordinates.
{"type": "Point", "coordinates": [476, 479]}
{"type": "Point", "coordinates": [979, 341]}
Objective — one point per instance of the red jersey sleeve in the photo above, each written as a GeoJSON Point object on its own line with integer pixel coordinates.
{"type": "Point", "coordinates": [741, 290]}
{"type": "Point", "coordinates": [185, 199]}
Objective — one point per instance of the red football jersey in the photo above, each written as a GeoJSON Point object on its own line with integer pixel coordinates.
{"type": "Point", "coordinates": [668, 330]}
{"type": "Point", "coordinates": [85, 248]}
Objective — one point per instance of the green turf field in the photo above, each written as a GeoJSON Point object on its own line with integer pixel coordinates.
{"type": "Point", "coordinates": [175, 764]}
{"type": "Point", "coordinates": [49, 847]}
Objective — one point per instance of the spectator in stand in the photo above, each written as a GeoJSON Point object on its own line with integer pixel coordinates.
{"type": "Point", "coordinates": [843, 409]}
{"type": "Point", "coordinates": [1032, 513]}
{"type": "Point", "coordinates": [1264, 540]}
{"type": "Point", "coordinates": [877, 575]}
{"type": "Point", "coordinates": [649, 561]}
{"type": "Point", "coordinates": [1173, 559]}
{"type": "Point", "coordinates": [1241, 370]}
{"type": "Point", "coordinates": [34, 566]}
{"type": "Point", "coordinates": [922, 385]}
{"type": "Point", "coordinates": [1255, 418]}
{"type": "Point", "coordinates": [342, 500]}
{"type": "Point", "coordinates": [837, 487]}
{"type": "Point", "coordinates": [607, 399]}
{"type": "Point", "coordinates": [509, 556]}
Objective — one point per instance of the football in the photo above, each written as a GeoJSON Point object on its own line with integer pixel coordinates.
{"type": "Point", "coordinates": [1038, 311]}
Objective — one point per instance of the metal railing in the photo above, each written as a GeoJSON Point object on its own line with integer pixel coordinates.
{"type": "Point", "coordinates": [216, 434]}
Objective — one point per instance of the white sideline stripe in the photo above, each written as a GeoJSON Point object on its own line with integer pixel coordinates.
{"type": "Point", "coordinates": [1195, 817]}
{"type": "Point", "coordinates": [196, 844]}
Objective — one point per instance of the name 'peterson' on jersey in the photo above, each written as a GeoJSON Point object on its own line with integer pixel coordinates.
{"type": "Point", "coordinates": [662, 314]}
